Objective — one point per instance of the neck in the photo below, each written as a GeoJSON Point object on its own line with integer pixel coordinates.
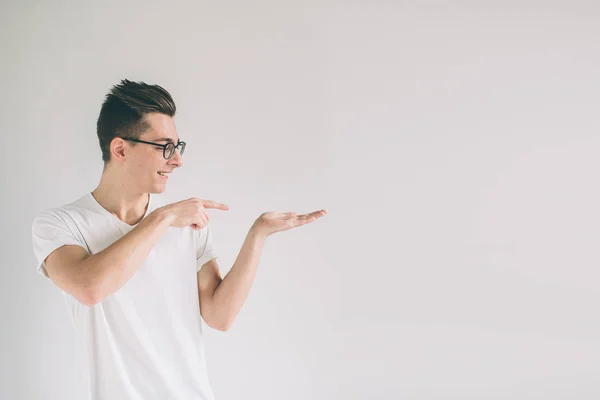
{"type": "Point", "coordinates": [120, 199]}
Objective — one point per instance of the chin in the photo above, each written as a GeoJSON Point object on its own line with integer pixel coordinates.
{"type": "Point", "coordinates": [157, 188]}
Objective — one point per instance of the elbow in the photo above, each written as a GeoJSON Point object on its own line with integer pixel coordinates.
{"type": "Point", "coordinates": [85, 289]}
{"type": "Point", "coordinates": [222, 326]}
{"type": "Point", "coordinates": [88, 299]}
{"type": "Point", "coordinates": [216, 318]}
{"type": "Point", "coordinates": [82, 293]}
{"type": "Point", "coordinates": [89, 296]}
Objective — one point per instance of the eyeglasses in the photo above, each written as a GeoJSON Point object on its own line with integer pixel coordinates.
{"type": "Point", "coordinates": [168, 149]}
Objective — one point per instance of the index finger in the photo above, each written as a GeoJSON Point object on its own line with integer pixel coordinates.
{"type": "Point", "coordinates": [214, 204]}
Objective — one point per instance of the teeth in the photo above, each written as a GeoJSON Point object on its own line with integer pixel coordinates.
{"type": "Point", "coordinates": [164, 173]}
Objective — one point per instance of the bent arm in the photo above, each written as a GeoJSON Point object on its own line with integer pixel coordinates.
{"type": "Point", "coordinates": [92, 278]}
{"type": "Point", "coordinates": [222, 299]}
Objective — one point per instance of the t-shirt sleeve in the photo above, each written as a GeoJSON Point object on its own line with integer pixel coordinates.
{"type": "Point", "coordinates": [204, 248]}
{"type": "Point", "coordinates": [49, 232]}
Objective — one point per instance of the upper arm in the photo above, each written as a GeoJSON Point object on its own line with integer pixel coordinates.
{"type": "Point", "coordinates": [63, 267]}
{"type": "Point", "coordinates": [59, 248]}
{"type": "Point", "coordinates": [209, 278]}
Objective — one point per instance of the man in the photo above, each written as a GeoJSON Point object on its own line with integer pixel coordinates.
{"type": "Point", "coordinates": [137, 274]}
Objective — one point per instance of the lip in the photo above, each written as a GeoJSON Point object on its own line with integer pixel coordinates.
{"type": "Point", "coordinates": [165, 177]}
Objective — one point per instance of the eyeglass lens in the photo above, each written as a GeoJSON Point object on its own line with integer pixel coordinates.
{"type": "Point", "coordinates": [170, 149]}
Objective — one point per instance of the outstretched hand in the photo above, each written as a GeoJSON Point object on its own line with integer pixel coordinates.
{"type": "Point", "coordinates": [272, 222]}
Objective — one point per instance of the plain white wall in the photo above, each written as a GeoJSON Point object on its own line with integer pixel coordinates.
{"type": "Point", "coordinates": [455, 145]}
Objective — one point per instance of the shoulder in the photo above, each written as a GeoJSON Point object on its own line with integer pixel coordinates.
{"type": "Point", "coordinates": [64, 214]}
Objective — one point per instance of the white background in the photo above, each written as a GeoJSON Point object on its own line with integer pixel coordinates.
{"type": "Point", "coordinates": [455, 145]}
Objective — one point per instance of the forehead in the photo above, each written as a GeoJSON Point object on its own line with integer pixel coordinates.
{"type": "Point", "coordinates": [161, 127]}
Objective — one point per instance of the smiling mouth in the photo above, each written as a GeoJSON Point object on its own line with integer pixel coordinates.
{"type": "Point", "coordinates": [165, 174]}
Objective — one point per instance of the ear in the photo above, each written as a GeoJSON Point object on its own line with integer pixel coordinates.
{"type": "Point", "coordinates": [118, 149]}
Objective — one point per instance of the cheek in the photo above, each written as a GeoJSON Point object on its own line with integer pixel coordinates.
{"type": "Point", "coordinates": [145, 168]}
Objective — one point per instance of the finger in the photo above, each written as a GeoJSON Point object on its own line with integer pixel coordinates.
{"type": "Point", "coordinates": [315, 214]}
{"type": "Point", "coordinates": [214, 204]}
{"type": "Point", "coordinates": [301, 222]}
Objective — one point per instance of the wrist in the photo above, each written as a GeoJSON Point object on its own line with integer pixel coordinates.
{"type": "Point", "coordinates": [257, 233]}
{"type": "Point", "coordinates": [162, 216]}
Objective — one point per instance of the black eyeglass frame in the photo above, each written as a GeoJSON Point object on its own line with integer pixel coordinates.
{"type": "Point", "coordinates": [179, 144]}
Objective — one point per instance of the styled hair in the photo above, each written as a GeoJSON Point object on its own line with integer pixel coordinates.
{"type": "Point", "coordinates": [123, 111]}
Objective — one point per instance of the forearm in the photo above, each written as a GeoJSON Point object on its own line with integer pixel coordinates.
{"type": "Point", "coordinates": [232, 292]}
{"type": "Point", "coordinates": [108, 270]}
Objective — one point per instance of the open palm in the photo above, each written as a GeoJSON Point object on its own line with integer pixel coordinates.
{"type": "Point", "coordinates": [272, 221]}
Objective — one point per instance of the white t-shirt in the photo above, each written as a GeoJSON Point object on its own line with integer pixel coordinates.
{"type": "Point", "coordinates": [145, 340]}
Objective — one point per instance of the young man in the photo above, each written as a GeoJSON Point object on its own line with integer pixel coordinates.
{"type": "Point", "coordinates": [137, 274]}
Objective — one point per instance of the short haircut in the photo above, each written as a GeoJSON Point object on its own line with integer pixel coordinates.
{"type": "Point", "coordinates": [123, 111]}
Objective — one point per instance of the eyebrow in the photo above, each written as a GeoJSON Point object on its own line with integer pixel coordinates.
{"type": "Point", "coordinates": [165, 140]}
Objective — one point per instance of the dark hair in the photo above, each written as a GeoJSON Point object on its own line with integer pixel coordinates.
{"type": "Point", "coordinates": [122, 113]}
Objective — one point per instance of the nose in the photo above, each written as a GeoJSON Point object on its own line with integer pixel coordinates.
{"type": "Point", "coordinates": [176, 160]}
